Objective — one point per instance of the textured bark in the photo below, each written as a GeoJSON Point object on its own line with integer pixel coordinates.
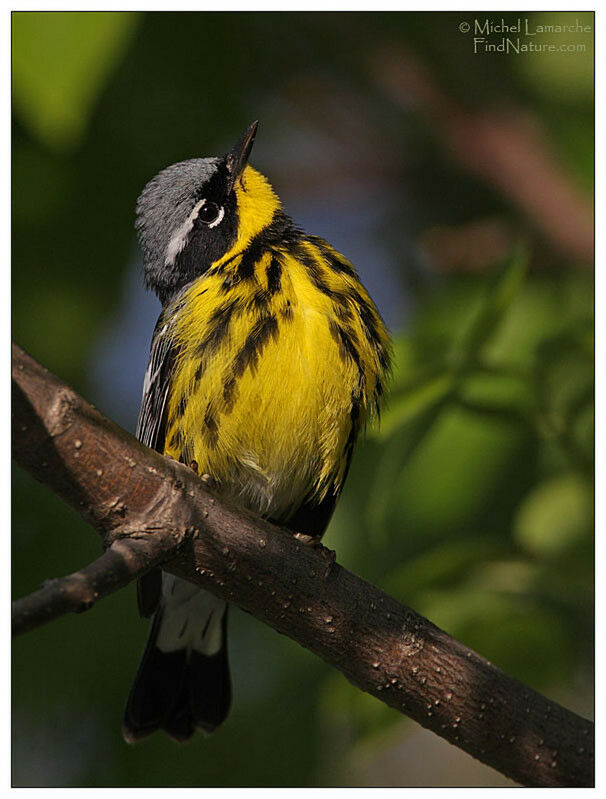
{"type": "Point", "coordinates": [119, 565]}
{"type": "Point", "coordinates": [128, 492]}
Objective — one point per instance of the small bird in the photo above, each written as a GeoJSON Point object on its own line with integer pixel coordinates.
{"type": "Point", "coordinates": [266, 362]}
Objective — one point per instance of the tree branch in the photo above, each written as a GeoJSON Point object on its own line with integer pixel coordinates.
{"type": "Point", "coordinates": [124, 561]}
{"type": "Point", "coordinates": [130, 494]}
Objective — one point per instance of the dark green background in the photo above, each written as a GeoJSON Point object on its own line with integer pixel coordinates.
{"type": "Point", "coordinates": [474, 500]}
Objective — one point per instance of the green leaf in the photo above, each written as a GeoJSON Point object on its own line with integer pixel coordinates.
{"type": "Point", "coordinates": [501, 395]}
{"type": "Point", "coordinates": [504, 287]}
{"type": "Point", "coordinates": [440, 566]}
{"type": "Point", "coordinates": [547, 306]}
{"type": "Point", "coordinates": [455, 472]}
{"type": "Point", "coordinates": [565, 368]}
{"type": "Point", "coordinates": [555, 516]}
{"type": "Point", "coordinates": [412, 402]}
{"type": "Point", "coordinates": [61, 61]}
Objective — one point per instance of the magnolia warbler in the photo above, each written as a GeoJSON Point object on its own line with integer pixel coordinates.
{"type": "Point", "coordinates": [266, 362]}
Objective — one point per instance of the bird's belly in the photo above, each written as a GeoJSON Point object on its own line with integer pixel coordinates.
{"type": "Point", "coordinates": [271, 428]}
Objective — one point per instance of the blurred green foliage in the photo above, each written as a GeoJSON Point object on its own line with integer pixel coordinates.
{"type": "Point", "coordinates": [57, 84]}
{"type": "Point", "coordinates": [473, 500]}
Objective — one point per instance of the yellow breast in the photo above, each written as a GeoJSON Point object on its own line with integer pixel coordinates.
{"type": "Point", "coordinates": [270, 388]}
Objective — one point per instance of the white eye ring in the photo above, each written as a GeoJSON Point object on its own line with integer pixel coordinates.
{"type": "Point", "coordinates": [219, 218]}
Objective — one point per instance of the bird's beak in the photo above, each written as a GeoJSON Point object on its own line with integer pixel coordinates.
{"type": "Point", "coordinates": [236, 159]}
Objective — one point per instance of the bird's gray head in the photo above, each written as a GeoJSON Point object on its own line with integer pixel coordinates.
{"type": "Point", "coordinates": [187, 217]}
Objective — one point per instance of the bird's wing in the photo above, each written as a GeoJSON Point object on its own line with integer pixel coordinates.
{"type": "Point", "coordinates": [151, 430]}
{"type": "Point", "coordinates": [151, 425]}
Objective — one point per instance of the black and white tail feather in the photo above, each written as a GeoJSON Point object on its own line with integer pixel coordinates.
{"type": "Point", "coordinates": [183, 682]}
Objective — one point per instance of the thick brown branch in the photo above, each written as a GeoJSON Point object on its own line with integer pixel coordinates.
{"type": "Point", "coordinates": [385, 648]}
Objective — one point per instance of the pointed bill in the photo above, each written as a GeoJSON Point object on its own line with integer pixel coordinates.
{"type": "Point", "coordinates": [237, 159]}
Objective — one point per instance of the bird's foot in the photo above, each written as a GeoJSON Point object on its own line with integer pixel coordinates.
{"type": "Point", "coordinates": [309, 540]}
{"type": "Point", "coordinates": [314, 541]}
{"type": "Point", "coordinates": [208, 480]}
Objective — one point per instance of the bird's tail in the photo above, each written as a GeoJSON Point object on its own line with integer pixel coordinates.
{"type": "Point", "coordinates": [183, 678]}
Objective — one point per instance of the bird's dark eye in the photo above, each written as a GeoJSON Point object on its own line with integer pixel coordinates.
{"type": "Point", "coordinates": [210, 213]}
